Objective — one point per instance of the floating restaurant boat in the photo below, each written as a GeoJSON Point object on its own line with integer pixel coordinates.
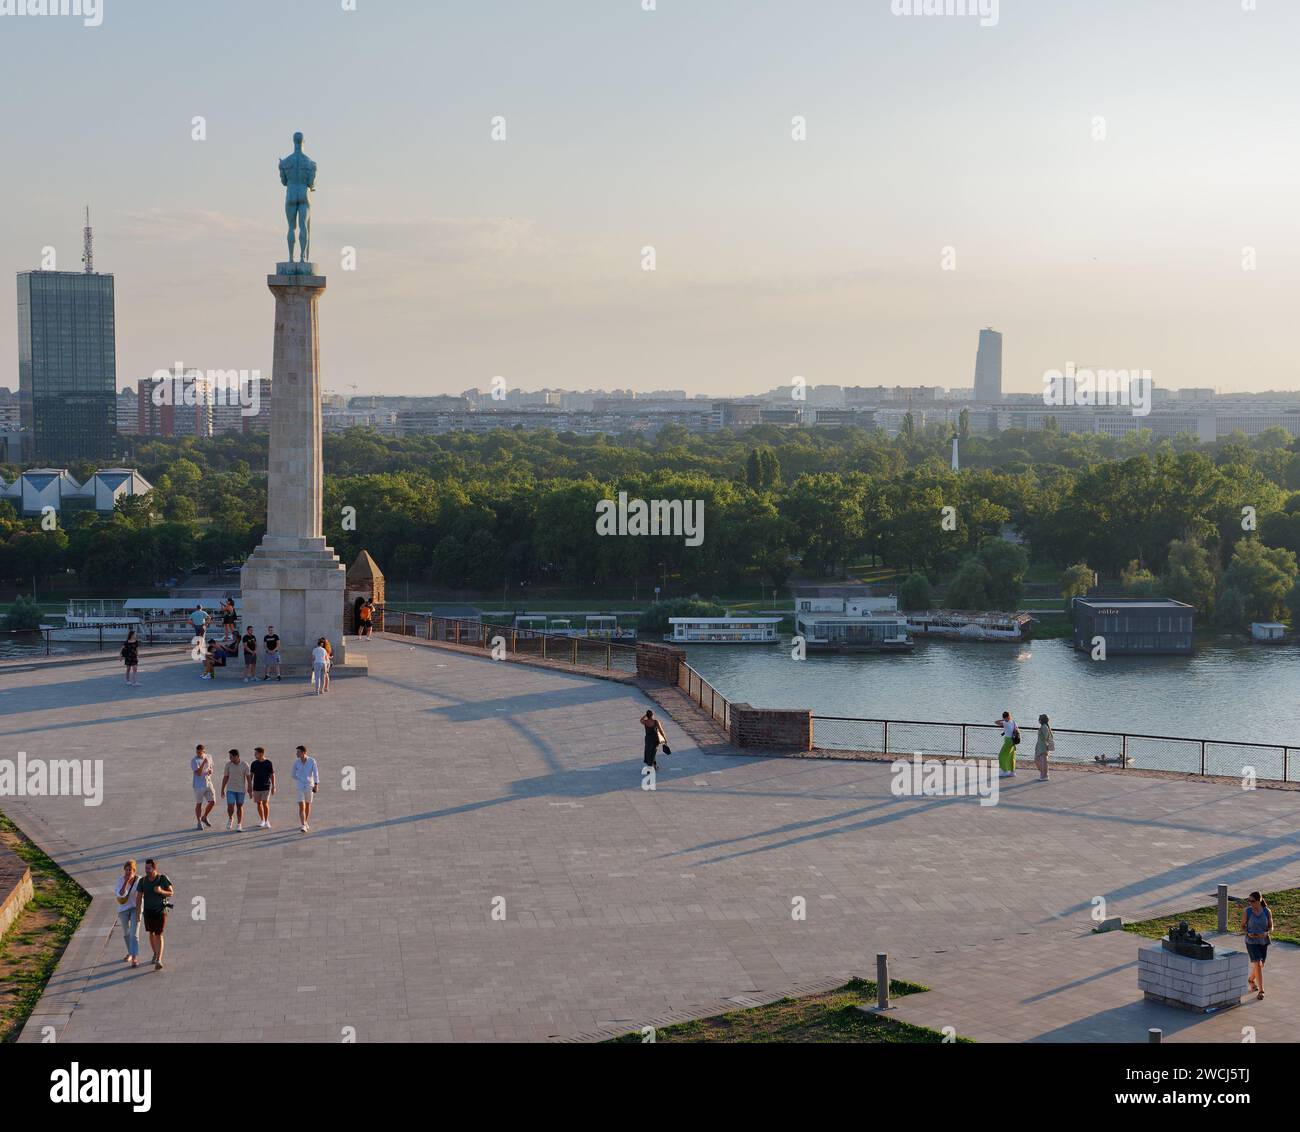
{"type": "Point", "coordinates": [153, 618]}
{"type": "Point", "coordinates": [849, 619]}
{"type": "Point", "coordinates": [967, 625]}
{"type": "Point", "coordinates": [724, 630]}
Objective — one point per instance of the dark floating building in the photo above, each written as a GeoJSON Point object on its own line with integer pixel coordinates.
{"type": "Point", "coordinates": [1133, 626]}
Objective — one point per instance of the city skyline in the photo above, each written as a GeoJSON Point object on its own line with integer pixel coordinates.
{"type": "Point", "coordinates": [671, 129]}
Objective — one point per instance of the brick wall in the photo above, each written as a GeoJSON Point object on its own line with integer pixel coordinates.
{"type": "Point", "coordinates": [774, 728]}
{"type": "Point", "coordinates": [658, 662]}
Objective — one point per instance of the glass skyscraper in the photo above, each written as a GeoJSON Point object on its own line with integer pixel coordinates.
{"type": "Point", "coordinates": [67, 365]}
{"type": "Point", "coordinates": [988, 367]}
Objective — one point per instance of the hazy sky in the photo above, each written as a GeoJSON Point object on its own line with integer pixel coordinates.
{"type": "Point", "coordinates": [672, 128]}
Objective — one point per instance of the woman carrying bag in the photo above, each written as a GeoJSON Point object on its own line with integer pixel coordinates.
{"type": "Point", "coordinates": [654, 737]}
{"type": "Point", "coordinates": [1257, 926]}
{"type": "Point", "coordinates": [1046, 742]}
{"type": "Point", "coordinates": [127, 915]}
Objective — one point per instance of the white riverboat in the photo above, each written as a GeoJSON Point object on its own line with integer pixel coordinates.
{"type": "Point", "coordinates": [724, 630]}
{"type": "Point", "coordinates": [153, 619]}
{"type": "Point", "coordinates": [834, 619]}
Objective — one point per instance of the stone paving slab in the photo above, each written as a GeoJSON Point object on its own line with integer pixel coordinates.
{"type": "Point", "coordinates": [477, 780]}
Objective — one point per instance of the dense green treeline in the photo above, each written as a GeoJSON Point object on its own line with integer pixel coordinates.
{"type": "Point", "coordinates": [470, 511]}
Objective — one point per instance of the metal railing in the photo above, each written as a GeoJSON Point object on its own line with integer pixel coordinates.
{"type": "Point", "coordinates": [19, 644]}
{"type": "Point", "coordinates": [905, 737]}
{"type": "Point", "coordinates": [596, 652]}
{"type": "Point", "coordinates": [704, 694]}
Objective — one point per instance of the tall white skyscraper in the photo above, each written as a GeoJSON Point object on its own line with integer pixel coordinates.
{"type": "Point", "coordinates": [988, 367]}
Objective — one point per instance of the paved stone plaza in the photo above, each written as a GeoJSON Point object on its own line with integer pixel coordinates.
{"type": "Point", "coordinates": [477, 780]}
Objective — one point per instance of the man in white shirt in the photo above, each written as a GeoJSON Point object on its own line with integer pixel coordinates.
{"type": "Point", "coordinates": [204, 795]}
{"type": "Point", "coordinates": [306, 776]}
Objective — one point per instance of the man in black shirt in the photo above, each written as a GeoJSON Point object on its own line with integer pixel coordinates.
{"type": "Point", "coordinates": [250, 654]}
{"type": "Point", "coordinates": [153, 892]}
{"type": "Point", "coordinates": [263, 773]}
{"type": "Point", "coordinates": [272, 658]}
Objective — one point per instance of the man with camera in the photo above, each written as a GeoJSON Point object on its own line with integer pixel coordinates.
{"type": "Point", "coordinates": [153, 898]}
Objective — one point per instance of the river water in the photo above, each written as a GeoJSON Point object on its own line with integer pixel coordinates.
{"type": "Point", "coordinates": [1226, 690]}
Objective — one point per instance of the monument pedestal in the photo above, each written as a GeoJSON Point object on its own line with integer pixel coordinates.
{"type": "Point", "coordinates": [1203, 985]}
{"type": "Point", "coordinates": [293, 580]}
{"type": "Point", "coordinates": [299, 590]}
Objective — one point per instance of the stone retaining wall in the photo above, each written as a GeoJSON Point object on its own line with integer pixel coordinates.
{"type": "Point", "coordinates": [15, 887]}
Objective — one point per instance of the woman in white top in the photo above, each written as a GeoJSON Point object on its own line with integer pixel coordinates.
{"type": "Point", "coordinates": [127, 914]}
{"type": "Point", "coordinates": [1007, 755]}
{"type": "Point", "coordinates": [320, 668]}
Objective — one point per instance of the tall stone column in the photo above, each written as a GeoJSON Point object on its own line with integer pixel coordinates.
{"type": "Point", "coordinates": [294, 580]}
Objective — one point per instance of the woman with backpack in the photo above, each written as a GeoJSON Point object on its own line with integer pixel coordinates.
{"type": "Point", "coordinates": [1010, 740]}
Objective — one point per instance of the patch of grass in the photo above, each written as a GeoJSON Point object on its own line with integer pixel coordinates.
{"type": "Point", "coordinates": [31, 948]}
{"type": "Point", "coordinates": [830, 1017]}
{"type": "Point", "coordinates": [1286, 918]}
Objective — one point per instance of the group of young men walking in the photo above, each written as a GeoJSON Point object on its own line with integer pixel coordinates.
{"type": "Point", "coordinates": [239, 779]}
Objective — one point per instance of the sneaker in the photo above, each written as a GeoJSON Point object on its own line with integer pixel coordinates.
{"type": "Point", "coordinates": [307, 828]}
{"type": "Point", "coordinates": [230, 824]}
{"type": "Point", "coordinates": [265, 679]}
{"type": "Point", "coordinates": [199, 826]}
{"type": "Point", "coordinates": [277, 679]}
{"type": "Point", "coordinates": [302, 829]}
{"type": "Point", "coordinates": [157, 965]}
{"type": "Point", "coordinates": [239, 828]}
{"type": "Point", "coordinates": [207, 823]}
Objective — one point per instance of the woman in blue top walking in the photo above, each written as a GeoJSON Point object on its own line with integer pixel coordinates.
{"type": "Point", "coordinates": [1256, 924]}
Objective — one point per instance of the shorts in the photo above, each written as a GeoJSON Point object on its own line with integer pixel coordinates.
{"type": "Point", "coordinates": [155, 922]}
{"type": "Point", "coordinates": [261, 795]}
{"type": "Point", "coordinates": [205, 794]}
{"type": "Point", "coordinates": [234, 797]}
{"type": "Point", "coordinates": [305, 795]}
{"type": "Point", "coordinates": [318, 672]}
{"type": "Point", "coordinates": [250, 660]}
{"type": "Point", "coordinates": [1258, 952]}
{"type": "Point", "coordinates": [273, 658]}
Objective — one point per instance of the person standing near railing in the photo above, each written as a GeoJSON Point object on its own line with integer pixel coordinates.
{"type": "Point", "coordinates": [1010, 737]}
{"type": "Point", "coordinates": [1046, 742]}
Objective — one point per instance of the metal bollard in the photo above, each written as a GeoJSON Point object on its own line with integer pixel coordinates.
{"type": "Point", "coordinates": [882, 980]}
{"type": "Point", "coordinates": [1223, 907]}
{"type": "Point", "coordinates": [1153, 1037]}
